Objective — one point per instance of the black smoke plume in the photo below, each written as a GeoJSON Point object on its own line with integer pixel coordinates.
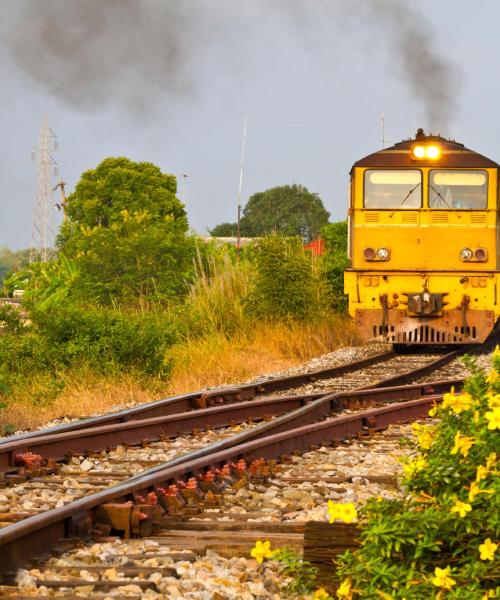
{"type": "Point", "coordinates": [94, 52]}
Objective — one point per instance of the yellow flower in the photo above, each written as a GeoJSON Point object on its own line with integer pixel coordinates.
{"type": "Point", "coordinates": [462, 444]}
{"type": "Point", "coordinates": [491, 460]}
{"type": "Point", "coordinates": [321, 594]}
{"type": "Point", "coordinates": [481, 473]}
{"type": "Point", "coordinates": [344, 590]}
{"type": "Point", "coordinates": [433, 410]}
{"type": "Point", "coordinates": [343, 512]}
{"type": "Point", "coordinates": [414, 466]}
{"type": "Point", "coordinates": [493, 376]}
{"type": "Point", "coordinates": [425, 439]}
{"type": "Point", "coordinates": [493, 417]}
{"type": "Point", "coordinates": [442, 579]}
{"type": "Point", "coordinates": [496, 352]}
{"type": "Point", "coordinates": [493, 400]}
{"type": "Point", "coordinates": [423, 434]}
{"type": "Point", "coordinates": [457, 403]}
{"type": "Point", "coordinates": [487, 549]}
{"type": "Point", "coordinates": [261, 550]}
{"type": "Point", "coordinates": [462, 508]}
{"type": "Point", "coordinates": [475, 490]}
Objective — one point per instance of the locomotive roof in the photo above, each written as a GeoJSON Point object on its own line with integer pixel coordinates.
{"type": "Point", "coordinates": [453, 154]}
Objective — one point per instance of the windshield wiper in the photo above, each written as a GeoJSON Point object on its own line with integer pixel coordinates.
{"type": "Point", "coordinates": [405, 199]}
{"type": "Point", "coordinates": [442, 197]}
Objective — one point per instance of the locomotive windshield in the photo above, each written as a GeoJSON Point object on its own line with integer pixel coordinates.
{"type": "Point", "coordinates": [393, 189]}
{"type": "Point", "coordinates": [458, 189]}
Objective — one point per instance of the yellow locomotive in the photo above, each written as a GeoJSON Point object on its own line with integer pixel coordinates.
{"type": "Point", "coordinates": [424, 243]}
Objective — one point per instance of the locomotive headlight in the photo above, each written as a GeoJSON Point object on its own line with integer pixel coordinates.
{"type": "Point", "coordinates": [433, 152]}
{"type": "Point", "coordinates": [418, 151]}
{"type": "Point", "coordinates": [481, 254]}
{"type": "Point", "coordinates": [466, 254]}
{"type": "Point", "coordinates": [369, 253]}
{"type": "Point", "coordinates": [383, 253]}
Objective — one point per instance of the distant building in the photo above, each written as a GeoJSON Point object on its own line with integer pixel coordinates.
{"type": "Point", "coordinates": [317, 247]}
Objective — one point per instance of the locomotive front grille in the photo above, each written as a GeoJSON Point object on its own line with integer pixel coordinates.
{"type": "Point", "coordinates": [426, 334]}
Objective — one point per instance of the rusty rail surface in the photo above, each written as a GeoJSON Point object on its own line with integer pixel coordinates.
{"type": "Point", "coordinates": [98, 437]}
{"type": "Point", "coordinates": [299, 428]}
{"type": "Point", "coordinates": [204, 399]}
{"type": "Point", "coordinates": [37, 535]}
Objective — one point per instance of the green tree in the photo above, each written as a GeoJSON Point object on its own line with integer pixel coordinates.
{"type": "Point", "coordinates": [288, 209]}
{"type": "Point", "coordinates": [126, 231]}
{"type": "Point", "coordinates": [335, 261]}
{"type": "Point", "coordinates": [11, 260]}
{"type": "Point", "coordinates": [224, 230]}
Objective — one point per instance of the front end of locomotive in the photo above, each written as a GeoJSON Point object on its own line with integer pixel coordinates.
{"type": "Point", "coordinates": [423, 241]}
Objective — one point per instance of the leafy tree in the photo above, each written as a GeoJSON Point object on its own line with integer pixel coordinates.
{"type": "Point", "coordinates": [126, 231]}
{"type": "Point", "coordinates": [335, 261]}
{"type": "Point", "coordinates": [11, 260]}
{"type": "Point", "coordinates": [288, 209]}
{"type": "Point", "coordinates": [224, 230]}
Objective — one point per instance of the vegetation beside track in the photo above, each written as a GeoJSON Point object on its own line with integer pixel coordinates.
{"type": "Point", "coordinates": [442, 540]}
{"type": "Point", "coordinates": [119, 316]}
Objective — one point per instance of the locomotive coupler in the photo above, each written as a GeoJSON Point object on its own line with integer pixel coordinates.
{"type": "Point", "coordinates": [425, 303]}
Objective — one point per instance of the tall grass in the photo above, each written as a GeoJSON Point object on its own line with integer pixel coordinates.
{"type": "Point", "coordinates": [219, 341]}
{"type": "Point", "coordinates": [215, 302]}
{"type": "Point", "coordinates": [217, 359]}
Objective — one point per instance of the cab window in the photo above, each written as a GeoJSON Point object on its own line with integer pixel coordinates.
{"type": "Point", "coordinates": [455, 190]}
{"type": "Point", "coordinates": [393, 189]}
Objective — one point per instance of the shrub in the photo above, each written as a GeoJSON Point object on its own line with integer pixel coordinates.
{"type": "Point", "coordinates": [441, 540]}
{"type": "Point", "coordinates": [334, 262]}
{"type": "Point", "coordinates": [106, 338]}
{"type": "Point", "coordinates": [285, 283]}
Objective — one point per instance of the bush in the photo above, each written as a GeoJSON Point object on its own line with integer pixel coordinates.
{"type": "Point", "coordinates": [106, 338]}
{"type": "Point", "coordinates": [441, 540]}
{"type": "Point", "coordinates": [335, 262]}
{"type": "Point", "coordinates": [285, 283]}
{"type": "Point", "coordinates": [72, 338]}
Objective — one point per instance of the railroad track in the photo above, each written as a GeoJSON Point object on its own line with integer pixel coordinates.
{"type": "Point", "coordinates": [37, 534]}
{"type": "Point", "coordinates": [195, 522]}
{"type": "Point", "coordinates": [274, 506]}
{"type": "Point", "coordinates": [41, 472]}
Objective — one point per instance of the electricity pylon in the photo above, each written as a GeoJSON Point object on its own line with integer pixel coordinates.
{"type": "Point", "coordinates": [44, 231]}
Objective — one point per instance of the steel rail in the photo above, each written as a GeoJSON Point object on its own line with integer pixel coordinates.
{"type": "Point", "coordinates": [83, 441]}
{"type": "Point", "coordinates": [204, 398]}
{"type": "Point", "coordinates": [37, 535]}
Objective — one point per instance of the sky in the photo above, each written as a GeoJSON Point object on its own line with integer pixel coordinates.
{"type": "Point", "coordinates": [170, 82]}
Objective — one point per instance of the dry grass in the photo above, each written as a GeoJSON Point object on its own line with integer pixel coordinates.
{"type": "Point", "coordinates": [83, 395]}
{"type": "Point", "coordinates": [199, 363]}
{"type": "Point", "coordinates": [218, 360]}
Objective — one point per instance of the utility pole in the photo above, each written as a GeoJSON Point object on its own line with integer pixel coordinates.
{"type": "Point", "coordinates": [240, 187]}
{"type": "Point", "coordinates": [184, 180]}
{"type": "Point", "coordinates": [62, 204]}
{"type": "Point", "coordinates": [43, 232]}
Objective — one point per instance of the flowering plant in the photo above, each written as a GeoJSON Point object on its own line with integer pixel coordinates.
{"type": "Point", "coordinates": [441, 541]}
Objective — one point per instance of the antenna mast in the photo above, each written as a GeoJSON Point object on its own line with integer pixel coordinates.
{"type": "Point", "coordinates": [240, 187]}
{"type": "Point", "coordinates": [43, 232]}
{"type": "Point", "coordinates": [382, 123]}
